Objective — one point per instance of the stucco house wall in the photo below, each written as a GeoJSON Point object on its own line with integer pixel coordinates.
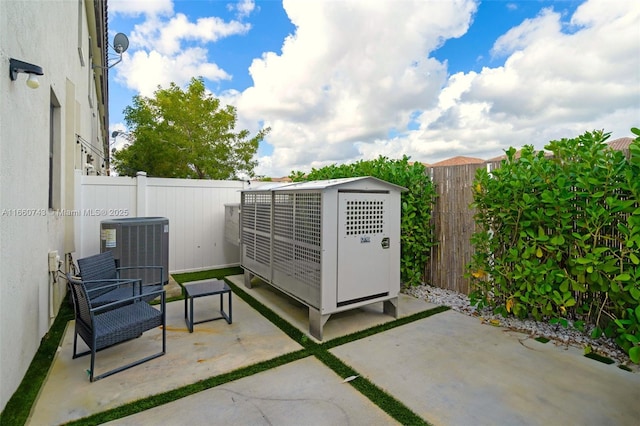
{"type": "Point", "coordinates": [64, 38]}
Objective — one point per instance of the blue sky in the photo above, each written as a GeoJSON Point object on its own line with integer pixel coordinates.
{"type": "Point", "coordinates": [343, 80]}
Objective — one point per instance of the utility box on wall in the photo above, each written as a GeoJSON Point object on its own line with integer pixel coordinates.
{"type": "Point", "coordinates": [232, 223]}
{"type": "Point", "coordinates": [138, 241]}
{"type": "Point", "coordinates": [333, 245]}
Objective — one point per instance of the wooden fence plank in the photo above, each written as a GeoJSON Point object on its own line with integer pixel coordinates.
{"type": "Point", "coordinates": [453, 226]}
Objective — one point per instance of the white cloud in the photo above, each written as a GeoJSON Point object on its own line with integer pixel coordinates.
{"type": "Point", "coordinates": [165, 49]}
{"type": "Point", "coordinates": [243, 8]}
{"type": "Point", "coordinates": [141, 7]}
{"type": "Point", "coordinates": [553, 77]}
{"type": "Point", "coordinates": [168, 37]}
{"type": "Point", "coordinates": [145, 71]}
{"type": "Point", "coordinates": [350, 73]}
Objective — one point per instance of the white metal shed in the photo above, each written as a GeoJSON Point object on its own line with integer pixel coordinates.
{"type": "Point", "coordinates": [333, 245]}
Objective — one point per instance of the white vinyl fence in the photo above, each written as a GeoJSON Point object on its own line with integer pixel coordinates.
{"type": "Point", "coordinates": [195, 209]}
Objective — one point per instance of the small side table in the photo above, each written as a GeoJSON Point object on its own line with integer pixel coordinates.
{"type": "Point", "coordinates": [201, 289]}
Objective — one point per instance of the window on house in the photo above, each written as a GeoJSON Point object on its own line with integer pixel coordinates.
{"type": "Point", "coordinates": [91, 76]}
{"type": "Point", "coordinates": [54, 153]}
{"type": "Point", "coordinates": [80, 37]}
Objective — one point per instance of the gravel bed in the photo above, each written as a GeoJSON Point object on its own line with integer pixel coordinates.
{"type": "Point", "coordinates": [556, 333]}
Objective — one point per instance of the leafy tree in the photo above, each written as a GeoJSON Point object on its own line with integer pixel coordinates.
{"type": "Point", "coordinates": [185, 134]}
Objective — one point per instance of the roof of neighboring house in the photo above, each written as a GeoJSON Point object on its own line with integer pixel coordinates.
{"type": "Point", "coordinates": [517, 155]}
{"type": "Point", "coordinates": [621, 144]}
{"type": "Point", "coordinates": [458, 161]}
{"type": "Point", "coordinates": [281, 179]}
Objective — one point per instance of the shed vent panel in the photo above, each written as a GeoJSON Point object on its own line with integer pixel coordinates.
{"type": "Point", "coordinates": [308, 218]}
{"type": "Point", "coordinates": [283, 216]}
{"type": "Point", "coordinates": [256, 230]}
{"type": "Point", "coordinates": [297, 236]}
{"type": "Point", "coordinates": [364, 217]}
{"type": "Point", "coordinates": [262, 249]}
{"type": "Point", "coordinates": [298, 262]}
{"type": "Point", "coordinates": [248, 242]}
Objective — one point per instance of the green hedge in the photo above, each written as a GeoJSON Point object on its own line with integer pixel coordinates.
{"type": "Point", "coordinates": [417, 205]}
{"type": "Point", "coordinates": [559, 237]}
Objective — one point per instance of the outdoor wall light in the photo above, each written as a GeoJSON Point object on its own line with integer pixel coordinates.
{"type": "Point", "coordinates": [16, 67]}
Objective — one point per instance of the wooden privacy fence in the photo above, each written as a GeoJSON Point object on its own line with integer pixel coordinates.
{"type": "Point", "coordinates": [453, 226]}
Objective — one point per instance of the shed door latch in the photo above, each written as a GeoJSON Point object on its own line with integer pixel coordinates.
{"type": "Point", "coordinates": [385, 243]}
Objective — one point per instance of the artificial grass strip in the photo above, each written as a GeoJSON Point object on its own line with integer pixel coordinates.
{"type": "Point", "coordinates": [383, 327]}
{"type": "Point", "coordinates": [207, 275]}
{"type": "Point", "coordinates": [185, 391]}
{"type": "Point", "coordinates": [17, 409]}
{"type": "Point", "coordinates": [603, 359]}
{"type": "Point", "coordinates": [274, 318]}
{"type": "Point", "coordinates": [386, 402]}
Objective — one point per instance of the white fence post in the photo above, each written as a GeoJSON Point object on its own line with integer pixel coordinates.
{"type": "Point", "coordinates": [141, 194]}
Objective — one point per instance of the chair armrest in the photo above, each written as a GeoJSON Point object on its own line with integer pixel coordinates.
{"type": "Point", "coordinates": [139, 267]}
{"type": "Point", "coordinates": [112, 283]}
{"type": "Point", "coordinates": [137, 299]}
{"type": "Point", "coordinates": [128, 268]}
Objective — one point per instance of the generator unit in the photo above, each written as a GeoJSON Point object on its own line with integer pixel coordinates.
{"type": "Point", "coordinates": [138, 241]}
{"type": "Point", "coordinates": [333, 245]}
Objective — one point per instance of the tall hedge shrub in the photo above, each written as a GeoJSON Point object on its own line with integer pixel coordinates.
{"type": "Point", "coordinates": [559, 237]}
{"type": "Point", "coordinates": [417, 205]}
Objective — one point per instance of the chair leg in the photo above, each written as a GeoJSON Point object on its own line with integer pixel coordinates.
{"type": "Point", "coordinates": [133, 364]}
{"type": "Point", "coordinates": [164, 337]}
{"type": "Point", "coordinates": [93, 363]}
{"type": "Point", "coordinates": [164, 322]}
{"type": "Point", "coordinates": [94, 378]}
{"type": "Point", "coordinates": [75, 342]}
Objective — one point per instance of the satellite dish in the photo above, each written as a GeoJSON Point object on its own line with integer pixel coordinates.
{"type": "Point", "coordinates": [120, 43]}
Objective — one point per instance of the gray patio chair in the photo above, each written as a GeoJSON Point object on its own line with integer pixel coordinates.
{"type": "Point", "coordinates": [100, 269]}
{"type": "Point", "coordinates": [110, 324]}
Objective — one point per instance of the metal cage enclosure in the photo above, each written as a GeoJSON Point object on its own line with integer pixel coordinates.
{"type": "Point", "coordinates": [333, 245]}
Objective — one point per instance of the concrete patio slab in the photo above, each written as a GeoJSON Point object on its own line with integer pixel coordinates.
{"type": "Point", "coordinates": [448, 368]}
{"type": "Point", "coordinates": [304, 392]}
{"type": "Point", "coordinates": [452, 370]}
{"type": "Point", "coordinates": [212, 349]}
{"type": "Point", "coordinates": [339, 324]}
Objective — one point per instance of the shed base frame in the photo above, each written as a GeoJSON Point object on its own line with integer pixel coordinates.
{"type": "Point", "coordinates": [390, 307]}
{"type": "Point", "coordinates": [317, 320]}
{"type": "Point", "coordinates": [248, 276]}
